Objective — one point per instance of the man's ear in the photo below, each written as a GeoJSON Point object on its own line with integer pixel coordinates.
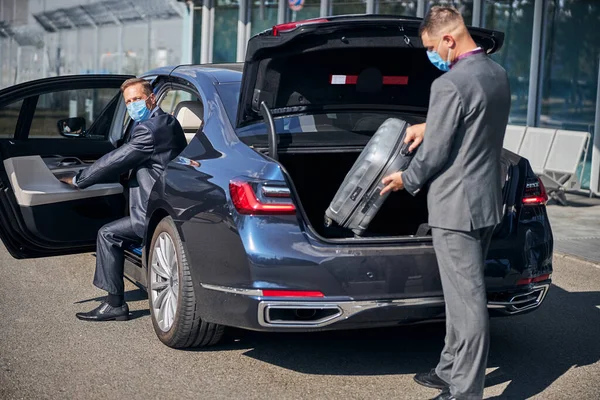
{"type": "Point", "coordinates": [450, 42]}
{"type": "Point", "coordinates": [151, 100]}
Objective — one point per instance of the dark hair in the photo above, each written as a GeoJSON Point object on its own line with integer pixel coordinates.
{"type": "Point", "coordinates": [137, 81]}
{"type": "Point", "coordinates": [440, 17]}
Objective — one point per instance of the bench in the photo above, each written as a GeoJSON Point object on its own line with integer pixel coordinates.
{"type": "Point", "coordinates": [554, 155]}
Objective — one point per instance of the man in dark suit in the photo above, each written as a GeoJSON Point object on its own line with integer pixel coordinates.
{"type": "Point", "coordinates": [156, 139]}
{"type": "Point", "coordinates": [459, 159]}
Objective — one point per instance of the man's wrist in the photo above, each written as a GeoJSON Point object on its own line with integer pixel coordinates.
{"type": "Point", "coordinates": [407, 181]}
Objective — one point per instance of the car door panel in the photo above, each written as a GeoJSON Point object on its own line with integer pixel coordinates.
{"type": "Point", "coordinates": [39, 215]}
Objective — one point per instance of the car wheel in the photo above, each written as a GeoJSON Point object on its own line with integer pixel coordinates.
{"type": "Point", "coordinates": [171, 296]}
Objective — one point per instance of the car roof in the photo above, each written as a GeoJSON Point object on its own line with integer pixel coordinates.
{"type": "Point", "coordinates": [219, 73]}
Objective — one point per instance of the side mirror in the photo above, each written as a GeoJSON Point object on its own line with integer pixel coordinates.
{"type": "Point", "coordinates": [71, 127]}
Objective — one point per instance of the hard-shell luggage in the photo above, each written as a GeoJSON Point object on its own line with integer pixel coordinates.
{"type": "Point", "coordinates": [358, 200]}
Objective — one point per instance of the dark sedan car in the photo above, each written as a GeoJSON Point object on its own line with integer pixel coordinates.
{"type": "Point", "coordinates": [235, 226]}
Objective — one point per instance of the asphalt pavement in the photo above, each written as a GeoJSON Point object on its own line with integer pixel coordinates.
{"type": "Point", "coordinates": [46, 353]}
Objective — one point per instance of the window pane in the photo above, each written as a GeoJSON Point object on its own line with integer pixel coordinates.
{"type": "Point", "coordinates": [174, 97]}
{"type": "Point", "coordinates": [340, 7]}
{"type": "Point", "coordinates": [396, 7]}
{"type": "Point", "coordinates": [515, 19]}
{"type": "Point", "coordinates": [310, 9]}
{"type": "Point", "coordinates": [84, 103]}
{"type": "Point", "coordinates": [8, 119]}
{"type": "Point", "coordinates": [263, 15]}
{"type": "Point", "coordinates": [570, 69]}
{"type": "Point", "coordinates": [225, 31]}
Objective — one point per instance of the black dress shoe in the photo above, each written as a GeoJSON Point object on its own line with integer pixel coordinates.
{"type": "Point", "coordinates": [106, 312]}
{"type": "Point", "coordinates": [445, 395]}
{"type": "Point", "coordinates": [431, 380]}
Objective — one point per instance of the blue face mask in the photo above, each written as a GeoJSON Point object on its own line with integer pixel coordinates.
{"type": "Point", "coordinates": [438, 61]}
{"type": "Point", "coordinates": [138, 111]}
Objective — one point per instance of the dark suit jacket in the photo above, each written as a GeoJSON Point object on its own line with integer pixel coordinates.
{"type": "Point", "coordinates": [460, 154]}
{"type": "Point", "coordinates": [150, 147]}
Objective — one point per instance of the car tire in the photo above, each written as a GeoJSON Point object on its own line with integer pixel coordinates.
{"type": "Point", "coordinates": [171, 297]}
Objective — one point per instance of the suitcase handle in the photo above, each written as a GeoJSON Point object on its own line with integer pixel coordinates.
{"type": "Point", "coordinates": [404, 149]}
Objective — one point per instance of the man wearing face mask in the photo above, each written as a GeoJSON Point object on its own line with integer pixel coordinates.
{"type": "Point", "coordinates": [156, 139]}
{"type": "Point", "coordinates": [459, 160]}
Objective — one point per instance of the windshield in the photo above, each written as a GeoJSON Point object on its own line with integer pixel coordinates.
{"type": "Point", "coordinates": [333, 128]}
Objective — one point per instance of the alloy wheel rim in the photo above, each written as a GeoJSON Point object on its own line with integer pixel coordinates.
{"type": "Point", "coordinates": [164, 281]}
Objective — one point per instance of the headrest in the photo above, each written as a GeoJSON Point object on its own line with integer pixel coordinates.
{"type": "Point", "coordinates": [190, 115]}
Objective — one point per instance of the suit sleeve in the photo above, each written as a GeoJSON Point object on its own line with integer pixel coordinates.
{"type": "Point", "coordinates": [136, 151]}
{"type": "Point", "coordinates": [443, 119]}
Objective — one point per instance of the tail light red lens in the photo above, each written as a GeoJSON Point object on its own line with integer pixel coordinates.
{"type": "Point", "coordinates": [290, 26]}
{"type": "Point", "coordinates": [536, 279]}
{"type": "Point", "coordinates": [246, 202]}
{"type": "Point", "coordinates": [535, 193]}
{"type": "Point", "coordinates": [292, 293]}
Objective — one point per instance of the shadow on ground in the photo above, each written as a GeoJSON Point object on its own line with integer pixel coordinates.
{"type": "Point", "coordinates": [528, 351]}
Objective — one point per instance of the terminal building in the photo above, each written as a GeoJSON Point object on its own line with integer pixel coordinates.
{"type": "Point", "coordinates": [551, 50]}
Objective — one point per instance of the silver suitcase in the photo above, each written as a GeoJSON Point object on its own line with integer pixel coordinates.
{"type": "Point", "coordinates": [357, 200]}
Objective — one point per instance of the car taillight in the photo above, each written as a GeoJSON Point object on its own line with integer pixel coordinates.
{"type": "Point", "coordinates": [535, 279]}
{"type": "Point", "coordinates": [290, 26]}
{"type": "Point", "coordinates": [246, 201]}
{"type": "Point", "coordinates": [535, 193]}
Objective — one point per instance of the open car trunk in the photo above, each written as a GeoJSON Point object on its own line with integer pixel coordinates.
{"type": "Point", "coordinates": [312, 86]}
{"type": "Point", "coordinates": [317, 177]}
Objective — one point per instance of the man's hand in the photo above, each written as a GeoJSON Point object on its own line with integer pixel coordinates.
{"type": "Point", "coordinates": [393, 182]}
{"type": "Point", "coordinates": [68, 180]}
{"type": "Point", "coordinates": [415, 134]}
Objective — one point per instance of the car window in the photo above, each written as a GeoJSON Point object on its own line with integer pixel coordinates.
{"type": "Point", "coordinates": [173, 97]}
{"type": "Point", "coordinates": [72, 111]}
{"type": "Point", "coordinates": [9, 115]}
{"type": "Point", "coordinates": [341, 127]}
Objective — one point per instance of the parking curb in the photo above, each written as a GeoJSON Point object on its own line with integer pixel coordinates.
{"type": "Point", "coordinates": [575, 259]}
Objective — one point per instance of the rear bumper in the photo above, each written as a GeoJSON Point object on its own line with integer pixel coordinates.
{"type": "Point", "coordinates": [246, 308]}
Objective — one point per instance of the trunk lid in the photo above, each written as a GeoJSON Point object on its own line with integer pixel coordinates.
{"type": "Point", "coordinates": [341, 63]}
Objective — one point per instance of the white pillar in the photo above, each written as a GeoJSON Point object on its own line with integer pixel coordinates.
{"type": "Point", "coordinates": [370, 6]}
{"type": "Point", "coordinates": [420, 8]}
{"type": "Point", "coordinates": [120, 50]}
{"type": "Point", "coordinates": [595, 172]}
{"type": "Point", "coordinates": [205, 34]}
{"type": "Point", "coordinates": [149, 47]}
{"type": "Point", "coordinates": [477, 11]}
{"type": "Point", "coordinates": [534, 68]}
{"type": "Point", "coordinates": [324, 12]}
{"type": "Point", "coordinates": [96, 49]}
{"type": "Point", "coordinates": [211, 38]}
{"type": "Point", "coordinates": [281, 11]}
{"type": "Point", "coordinates": [242, 37]}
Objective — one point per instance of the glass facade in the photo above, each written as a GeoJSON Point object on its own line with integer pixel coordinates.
{"type": "Point", "coordinates": [119, 42]}
{"type": "Point", "coordinates": [396, 7]}
{"type": "Point", "coordinates": [225, 30]}
{"type": "Point", "coordinates": [515, 19]}
{"type": "Point", "coordinates": [310, 9]}
{"type": "Point", "coordinates": [339, 7]}
{"type": "Point", "coordinates": [263, 15]}
{"type": "Point", "coordinates": [570, 68]}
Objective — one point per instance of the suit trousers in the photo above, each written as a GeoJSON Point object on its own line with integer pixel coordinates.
{"type": "Point", "coordinates": [112, 240]}
{"type": "Point", "coordinates": [461, 259]}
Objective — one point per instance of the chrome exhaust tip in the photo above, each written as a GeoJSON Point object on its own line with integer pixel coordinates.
{"type": "Point", "coordinates": [299, 314]}
{"type": "Point", "coordinates": [523, 301]}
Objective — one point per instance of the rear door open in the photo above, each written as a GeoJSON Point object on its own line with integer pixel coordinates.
{"type": "Point", "coordinates": [362, 63]}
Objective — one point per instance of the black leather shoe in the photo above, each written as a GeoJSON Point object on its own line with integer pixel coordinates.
{"type": "Point", "coordinates": [431, 380]}
{"type": "Point", "coordinates": [106, 312]}
{"type": "Point", "coordinates": [445, 395]}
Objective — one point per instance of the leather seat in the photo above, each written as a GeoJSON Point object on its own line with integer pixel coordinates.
{"type": "Point", "coordinates": [190, 115]}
